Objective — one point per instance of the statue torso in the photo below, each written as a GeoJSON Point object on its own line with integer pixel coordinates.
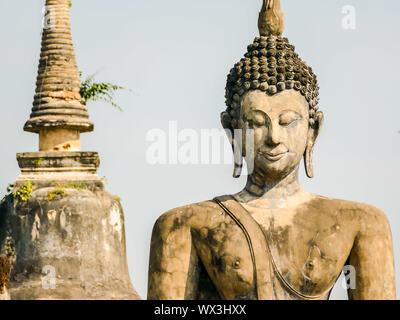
{"type": "Point", "coordinates": [309, 244]}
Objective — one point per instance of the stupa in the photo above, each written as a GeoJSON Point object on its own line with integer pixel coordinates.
{"type": "Point", "coordinates": [63, 233]}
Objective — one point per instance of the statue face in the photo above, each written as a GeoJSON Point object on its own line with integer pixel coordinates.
{"type": "Point", "coordinates": [281, 130]}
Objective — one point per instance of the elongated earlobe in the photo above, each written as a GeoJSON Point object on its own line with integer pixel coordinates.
{"type": "Point", "coordinates": [308, 162]}
{"type": "Point", "coordinates": [237, 158]}
{"type": "Point", "coordinates": [238, 152]}
{"type": "Point", "coordinates": [313, 134]}
{"type": "Point", "coordinates": [226, 121]}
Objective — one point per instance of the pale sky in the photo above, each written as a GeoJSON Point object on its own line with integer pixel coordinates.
{"type": "Point", "coordinates": [175, 56]}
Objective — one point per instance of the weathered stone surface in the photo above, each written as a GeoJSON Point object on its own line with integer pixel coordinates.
{"type": "Point", "coordinates": [4, 278]}
{"type": "Point", "coordinates": [41, 168]}
{"type": "Point", "coordinates": [59, 140]}
{"type": "Point", "coordinates": [64, 224]}
{"type": "Point", "coordinates": [75, 234]}
{"type": "Point", "coordinates": [48, 161]}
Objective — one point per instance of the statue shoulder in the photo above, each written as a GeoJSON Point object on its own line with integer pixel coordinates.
{"type": "Point", "coordinates": [372, 219]}
{"type": "Point", "coordinates": [189, 216]}
{"type": "Point", "coordinates": [366, 215]}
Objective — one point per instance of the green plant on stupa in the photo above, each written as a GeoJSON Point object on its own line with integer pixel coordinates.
{"type": "Point", "coordinates": [99, 91]}
{"type": "Point", "coordinates": [91, 90]}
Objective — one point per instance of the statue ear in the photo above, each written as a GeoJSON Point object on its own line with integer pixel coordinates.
{"type": "Point", "coordinates": [237, 158]}
{"type": "Point", "coordinates": [313, 134]}
{"type": "Point", "coordinates": [226, 121]}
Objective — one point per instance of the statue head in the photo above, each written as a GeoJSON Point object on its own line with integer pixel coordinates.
{"type": "Point", "coordinates": [274, 93]}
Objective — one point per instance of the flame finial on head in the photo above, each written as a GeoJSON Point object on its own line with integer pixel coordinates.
{"type": "Point", "coordinates": [271, 20]}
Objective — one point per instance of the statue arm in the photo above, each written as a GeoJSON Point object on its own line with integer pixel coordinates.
{"type": "Point", "coordinates": [173, 269]}
{"type": "Point", "coordinates": [372, 258]}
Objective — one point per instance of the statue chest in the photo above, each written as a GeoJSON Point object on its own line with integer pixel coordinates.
{"type": "Point", "coordinates": [309, 259]}
{"type": "Point", "coordinates": [225, 254]}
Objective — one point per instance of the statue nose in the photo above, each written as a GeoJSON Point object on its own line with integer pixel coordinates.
{"type": "Point", "coordinates": [272, 135]}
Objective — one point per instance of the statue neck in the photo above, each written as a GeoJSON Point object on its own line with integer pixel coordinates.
{"type": "Point", "coordinates": [260, 189]}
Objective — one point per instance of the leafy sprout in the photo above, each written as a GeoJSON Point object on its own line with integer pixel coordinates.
{"type": "Point", "coordinates": [24, 193]}
{"type": "Point", "coordinates": [99, 91]}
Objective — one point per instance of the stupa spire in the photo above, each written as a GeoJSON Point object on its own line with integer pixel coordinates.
{"type": "Point", "coordinates": [58, 114]}
{"type": "Point", "coordinates": [271, 20]}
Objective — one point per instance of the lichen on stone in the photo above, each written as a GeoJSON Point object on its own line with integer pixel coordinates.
{"type": "Point", "coordinates": [58, 192]}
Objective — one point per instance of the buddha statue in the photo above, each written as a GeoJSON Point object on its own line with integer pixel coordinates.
{"type": "Point", "coordinates": [272, 240]}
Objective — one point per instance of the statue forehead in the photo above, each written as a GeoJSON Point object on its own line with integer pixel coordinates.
{"type": "Point", "coordinates": [282, 101]}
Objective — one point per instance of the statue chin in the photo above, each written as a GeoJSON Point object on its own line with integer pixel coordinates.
{"type": "Point", "coordinates": [277, 169]}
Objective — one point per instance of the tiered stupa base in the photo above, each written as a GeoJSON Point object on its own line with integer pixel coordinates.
{"type": "Point", "coordinates": [67, 241]}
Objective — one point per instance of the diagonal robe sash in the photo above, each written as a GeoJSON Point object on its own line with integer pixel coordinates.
{"type": "Point", "coordinates": [262, 266]}
{"type": "Point", "coordinates": [269, 282]}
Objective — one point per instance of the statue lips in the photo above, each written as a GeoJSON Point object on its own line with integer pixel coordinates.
{"type": "Point", "coordinates": [273, 156]}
